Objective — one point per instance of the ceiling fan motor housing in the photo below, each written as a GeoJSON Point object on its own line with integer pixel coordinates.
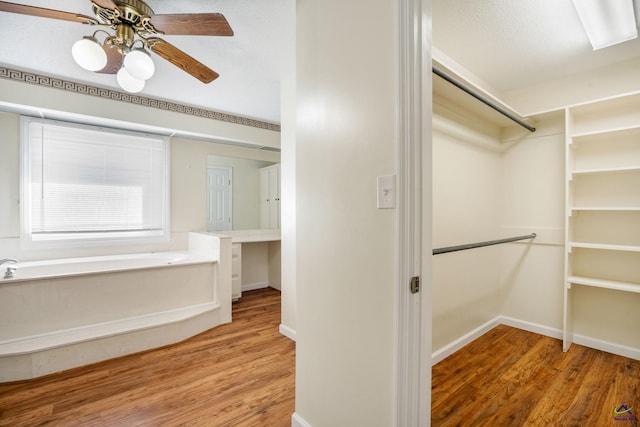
{"type": "Point", "coordinates": [132, 13]}
{"type": "Point", "coordinates": [132, 10]}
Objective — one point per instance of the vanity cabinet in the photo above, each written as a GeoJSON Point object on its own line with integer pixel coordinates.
{"type": "Point", "coordinates": [270, 197]}
{"type": "Point", "coordinates": [261, 266]}
{"type": "Point", "coordinates": [236, 271]}
{"type": "Point", "coordinates": [602, 222]}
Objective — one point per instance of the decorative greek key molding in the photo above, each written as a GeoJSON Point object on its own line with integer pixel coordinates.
{"type": "Point", "coordinates": [40, 80]}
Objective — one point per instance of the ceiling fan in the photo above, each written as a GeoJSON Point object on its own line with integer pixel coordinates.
{"type": "Point", "coordinates": [133, 22]}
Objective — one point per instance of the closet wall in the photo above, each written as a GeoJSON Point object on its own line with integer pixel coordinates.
{"type": "Point", "coordinates": [493, 181]}
{"type": "Point", "coordinates": [532, 192]}
{"type": "Point", "coordinates": [467, 202]}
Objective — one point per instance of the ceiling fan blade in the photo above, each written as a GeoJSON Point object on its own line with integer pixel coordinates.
{"type": "Point", "coordinates": [45, 13]}
{"type": "Point", "coordinates": [192, 24]}
{"type": "Point", "coordinates": [114, 60]}
{"type": "Point", "coordinates": [181, 60]}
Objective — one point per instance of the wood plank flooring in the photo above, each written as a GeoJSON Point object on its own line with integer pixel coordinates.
{"type": "Point", "coordinates": [240, 374]}
{"type": "Point", "coordinates": [510, 377]}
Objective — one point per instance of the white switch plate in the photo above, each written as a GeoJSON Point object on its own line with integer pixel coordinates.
{"type": "Point", "coordinates": [387, 192]}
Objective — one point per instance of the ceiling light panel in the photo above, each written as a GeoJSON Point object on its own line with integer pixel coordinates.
{"type": "Point", "coordinates": [607, 22]}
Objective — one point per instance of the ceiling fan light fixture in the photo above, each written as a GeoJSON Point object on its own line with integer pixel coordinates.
{"type": "Point", "coordinates": [89, 54]}
{"type": "Point", "coordinates": [607, 22]}
{"type": "Point", "coordinates": [139, 64]}
{"type": "Point", "coordinates": [128, 82]}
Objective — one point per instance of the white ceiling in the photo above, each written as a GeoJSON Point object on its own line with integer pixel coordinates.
{"type": "Point", "coordinates": [508, 45]}
{"type": "Point", "coordinates": [517, 44]}
{"type": "Point", "coordinates": [251, 63]}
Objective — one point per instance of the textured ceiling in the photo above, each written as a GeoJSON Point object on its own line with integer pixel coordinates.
{"type": "Point", "coordinates": [519, 43]}
{"type": "Point", "coordinates": [251, 63]}
{"type": "Point", "coordinates": [506, 44]}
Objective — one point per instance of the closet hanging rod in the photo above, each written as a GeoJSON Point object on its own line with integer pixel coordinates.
{"type": "Point", "coordinates": [481, 244]}
{"type": "Point", "coordinates": [481, 98]}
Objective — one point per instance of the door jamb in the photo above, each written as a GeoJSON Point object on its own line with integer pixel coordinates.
{"type": "Point", "coordinates": [413, 321]}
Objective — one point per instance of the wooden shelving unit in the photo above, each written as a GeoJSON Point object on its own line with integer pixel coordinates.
{"type": "Point", "coordinates": [602, 190]}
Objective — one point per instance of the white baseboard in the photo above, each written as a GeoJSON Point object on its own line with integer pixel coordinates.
{"type": "Point", "coordinates": [531, 327]}
{"type": "Point", "coordinates": [253, 286]}
{"type": "Point", "coordinates": [620, 350]}
{"type": "Point", "coordinates": [287, 332]}
{"type": "Point", "coordinates": [609, 347]}
{"type": "Point", "coordinates": [449, 349]}
{"type": "Point", "coordinates": [298, 421]}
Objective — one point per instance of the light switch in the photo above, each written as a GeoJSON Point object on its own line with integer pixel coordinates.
{"type": "Point", "coordinates": [387, 192]}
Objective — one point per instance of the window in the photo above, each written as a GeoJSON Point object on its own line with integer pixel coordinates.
{"type": "Point", "coordinates": [88, 184]}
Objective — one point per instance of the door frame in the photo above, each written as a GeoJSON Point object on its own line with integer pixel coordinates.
{"type": "Point", "coordinates": [414, 239]}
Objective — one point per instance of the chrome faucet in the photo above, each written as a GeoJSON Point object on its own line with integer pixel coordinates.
{"type": "Point", "coordinates": [9, 272]}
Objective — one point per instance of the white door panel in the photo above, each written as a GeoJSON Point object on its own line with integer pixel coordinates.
{"type": "Point", "coordinates": [219, 199]}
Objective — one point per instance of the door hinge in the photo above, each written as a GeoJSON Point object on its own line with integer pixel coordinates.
{"type": "Point", "coordinates": [415, 284]}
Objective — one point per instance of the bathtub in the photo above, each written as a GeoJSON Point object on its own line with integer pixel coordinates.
{"type": "Point", "coordinates": [67, 267]}
{"type": "Point", "coordinates": [61, 313]}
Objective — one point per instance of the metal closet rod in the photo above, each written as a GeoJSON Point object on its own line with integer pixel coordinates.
{"type": "Point", "coordinates": [481, 244]}
{"type": "Point", "coordinates": [481, 98]}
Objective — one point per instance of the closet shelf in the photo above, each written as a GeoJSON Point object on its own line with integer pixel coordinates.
{"type": "Point", "coordinates": [605, 208]}
{"type": "Point", "coordinates": [628, 248]}
{"type": "Point", "coordinates": [602, 178]}
{"type": "Point", "coordinates": [608, 284]}
{"type": "Point", "coordinates": [604, 130]}
{"type": "Point", "coordinates": [624, 169]}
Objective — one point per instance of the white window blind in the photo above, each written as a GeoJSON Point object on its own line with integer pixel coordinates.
{"type": "Point", "coordinates": [82, 183]}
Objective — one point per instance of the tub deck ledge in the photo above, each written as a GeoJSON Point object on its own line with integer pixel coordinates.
{"type": "Point", "coordinates": [66, 337]}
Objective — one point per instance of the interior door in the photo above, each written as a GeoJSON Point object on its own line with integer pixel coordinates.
{"type": "Point", "coordinates": [274, 197]}
{"type": "Point", "coordinates": [219, 199]}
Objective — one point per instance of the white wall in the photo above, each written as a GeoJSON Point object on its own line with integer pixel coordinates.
{"type": "Point", "coordinates": [607, 315]}
{"type": "Point", "coordinates": [288, 206]}
{"type": "Point", "coordinates": [346, 136]}
{"type": "Point", "coordinates": [532, 187]}
{"type": "Point", "coordinates": [9, 176]}
{"type": "Point", "coordinates": [491, 183]}
{"type": "Point", "coordinates": [466, 208]}
{"type": "Point", "coordinates": [51, 102]}
{"type": "Point", "coordinates": [600, 83]}
{"type": "Point", "coordinates": [188, 193]}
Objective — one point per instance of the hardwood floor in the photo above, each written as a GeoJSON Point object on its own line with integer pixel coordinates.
{"type": "Point", "coordinates": [510, 377]}
{"type": "Point", "coordinates": [240, 374]}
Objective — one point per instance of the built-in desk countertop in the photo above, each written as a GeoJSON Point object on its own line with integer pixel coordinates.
{"type": "Point", "coordinates": [251, 236]}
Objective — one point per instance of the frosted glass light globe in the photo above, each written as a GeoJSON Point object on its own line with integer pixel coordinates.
{"type": "Point", "coordinates": [88, 53]}
{"type": "Point", "coordinates": [139, 64]}
{"type": "Point", "coordinates": [128, 82]}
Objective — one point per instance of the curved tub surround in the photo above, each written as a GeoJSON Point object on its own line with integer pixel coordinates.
{"type": "Point", "coordinates": [97, 308]}
{"type": "Point", "coordinates": [66, 267]}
